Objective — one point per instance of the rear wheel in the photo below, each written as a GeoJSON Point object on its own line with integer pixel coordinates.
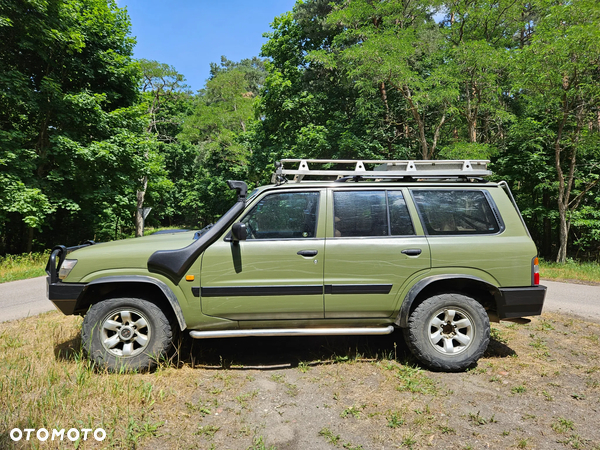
{"type": "Point", "coordinates": [126, 333]}
{"type": "Point", "coordinates": [448, 332]}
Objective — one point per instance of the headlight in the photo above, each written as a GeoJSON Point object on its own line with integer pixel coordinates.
{"type": "Point", "coordinates": [66, 268]}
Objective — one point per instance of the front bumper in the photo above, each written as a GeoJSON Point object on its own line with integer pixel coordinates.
{"type": "Point", "coordinates": [516, 302]}
{"type": "Point", "coordinates": [63, 295]}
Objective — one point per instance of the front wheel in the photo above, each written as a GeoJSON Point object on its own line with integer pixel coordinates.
{"type": "Point", "coordinates": [448, 332]}
{"type": "Point", "coordinates": [126, 333]}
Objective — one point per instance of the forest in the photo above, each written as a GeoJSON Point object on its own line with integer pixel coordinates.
{"type": "Point", "coordinates": [89, 135]}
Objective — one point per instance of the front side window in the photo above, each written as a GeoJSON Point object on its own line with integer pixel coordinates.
{"type": "Point", "coordinates": [451, 212]}
{"type": "Point", "coordinates": [370, 213]}
{"type": "Point", "coordinates": [287, 215]}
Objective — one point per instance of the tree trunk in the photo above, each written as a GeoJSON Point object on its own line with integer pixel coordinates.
{"type": "Point", "coordinates": [383, 92]}
{"type": "Point", "coordinates": [563, 230]}
{"type": "Point", "coordinates": [29, 239]}
{"type": "Point", "coordinates": [471, 113]}
{"type": "Point", "coordinates": [420, 123]}
{"type": "Point", "coordinates": [546, 228]}
{"type": "Point", "coordinates": [565, 184]}
{"type": "Point", "coordinates": [139, 218]}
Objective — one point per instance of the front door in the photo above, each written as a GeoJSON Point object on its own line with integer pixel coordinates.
{"type": "Point", "coordinates": [372, 249]}
{"type": "Point", "coordinates": [277, 273]}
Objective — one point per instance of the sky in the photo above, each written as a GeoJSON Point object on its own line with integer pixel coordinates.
{"type": "Point", "coordinates": [190, 34]}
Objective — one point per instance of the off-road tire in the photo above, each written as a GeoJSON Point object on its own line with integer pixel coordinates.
{"type": "Point", "coordinates": [438, 329]}
{"type": "Point", "coordinates": [113, 329]}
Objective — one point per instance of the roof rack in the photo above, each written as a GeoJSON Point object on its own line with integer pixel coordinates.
{"type": "Point", "coordinates": [395, 169]}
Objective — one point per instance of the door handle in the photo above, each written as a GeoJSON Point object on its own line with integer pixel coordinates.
{"type": "Point", "coordinates": [412, 251]}
{"type": "Point", "coordinates": [308, 253]}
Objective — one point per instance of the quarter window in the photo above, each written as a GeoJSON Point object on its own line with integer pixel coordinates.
{"type": "Point", "coordinates": [287, 215]}
{"type": "Point", "coordinates": [451, 212]}
{"type": "Point", "coordinates": [370, 213]}
{"type": "Point", "coordinates": [400, 223]}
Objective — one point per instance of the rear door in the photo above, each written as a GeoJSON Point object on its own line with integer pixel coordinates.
{"type": "Point", "coordinates": [371, 250]}
{"type": "Point", "coordinates": [277, 273]}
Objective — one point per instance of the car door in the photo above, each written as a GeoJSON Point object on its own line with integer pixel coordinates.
{"type": "Point", "coordinates": [277, 272]}
{"type": "Point", "coordinates": [371, 250]}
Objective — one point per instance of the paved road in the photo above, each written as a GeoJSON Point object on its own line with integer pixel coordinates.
{"type": "Point", "coordinates": [23, 298]}
{"type": "Point", "coordinates": [28, 297]}
{"type": "Point", "coordinates": [578, 299]}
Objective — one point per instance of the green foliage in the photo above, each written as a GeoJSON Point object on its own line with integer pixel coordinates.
{"type": "Point", "coordinates": [69, 127]}
{"type": "Point", "coordinates": [216, 127]}
{"type": "Point", "coordinates": [87, 135]}
{"type": "Point", "coordinates": [515, 82]}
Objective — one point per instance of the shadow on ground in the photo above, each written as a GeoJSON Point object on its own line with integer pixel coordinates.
{"type": "Point", "coordinates": [276, 353]}
{"type": "Point", "coordinates": [498, 349]}
{"type": "Point", "coordinates": [279, 352]}
{"type": "Point", "coordinates": [68, 350]}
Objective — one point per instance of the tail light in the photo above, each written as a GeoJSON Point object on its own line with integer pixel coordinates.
{"type": "Point", "coordinates": [536, 272]}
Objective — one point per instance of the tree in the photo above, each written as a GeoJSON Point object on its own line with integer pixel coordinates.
{"type": "Point", "coordinates": [397, 45]}
{"type": "Point", "coordinates": [308, 108]}
{"type": "Point", "coordinates": [69, 129]}
{"type": "Point", "coordinates": [557, 76]}
{"type": "Point", "coordinates": [252, 68]}
{"type": "Point", "coordinates": [162, 88]}
{"type": "Point", "coordinates": [220, 116]}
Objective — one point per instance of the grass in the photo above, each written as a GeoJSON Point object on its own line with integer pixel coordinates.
{"type": "Point", "coordinates": [20, 267]}
{"type": "Point", "coordinates": [571, 270]}
{"type": "Point", "coordinates": [378, 401]}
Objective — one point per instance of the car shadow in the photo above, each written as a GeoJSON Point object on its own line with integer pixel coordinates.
{"type": "Point", "coordinates": [69, 350]}
{"type": "Point", "coordinates": [271, 353]}
{"type": "Point", "coordinates": [498, 349]}
{"type": "Point", "coordinates": [279, 352]}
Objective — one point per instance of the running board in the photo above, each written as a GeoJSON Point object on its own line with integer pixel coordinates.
{"type": "Point", "coordinates": [292, 332]}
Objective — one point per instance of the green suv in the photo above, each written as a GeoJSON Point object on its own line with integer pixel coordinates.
{"type": "Point", "coordinates": [430, 247]}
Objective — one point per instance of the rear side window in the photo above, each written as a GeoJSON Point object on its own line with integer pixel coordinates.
{"type": "Point", "coordinates": [370, 213]}
{"type": "Point", "coordinates": [290, 215]}
{"type": "Point", "coordinates": [452, 212]}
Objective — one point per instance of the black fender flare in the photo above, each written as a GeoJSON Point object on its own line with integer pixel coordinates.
{"type": "Point", "coordinates": [166, 290]}
{"type": "Point", "coordinates": [403, 313]}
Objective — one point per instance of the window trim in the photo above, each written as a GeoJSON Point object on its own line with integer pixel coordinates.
{"type": "Point", "coordinates": [384, 190]}
{"type": "Point", "coordinates": [487, 196]}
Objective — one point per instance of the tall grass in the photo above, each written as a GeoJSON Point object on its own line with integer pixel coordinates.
{"type": "Point", "coordinates": [19, 267]}
{"type": "Point", "coordinates": [571, 270]}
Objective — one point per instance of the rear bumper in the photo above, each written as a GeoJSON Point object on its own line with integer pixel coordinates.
{"type": "Point", "coordinates": [515, 302]}
{"type": "Point", "coordinates": [63, 295]}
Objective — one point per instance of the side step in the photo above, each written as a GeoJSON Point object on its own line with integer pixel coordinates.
{"type": "Point", "coordinates": [292, 332]}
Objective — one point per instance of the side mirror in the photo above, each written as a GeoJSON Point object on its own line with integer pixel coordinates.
{"type": "Point", "coordinates": [239, 232]}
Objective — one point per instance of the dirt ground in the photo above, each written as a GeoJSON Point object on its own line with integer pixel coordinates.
{"type": "Point", "coordinates": [537, 387]}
